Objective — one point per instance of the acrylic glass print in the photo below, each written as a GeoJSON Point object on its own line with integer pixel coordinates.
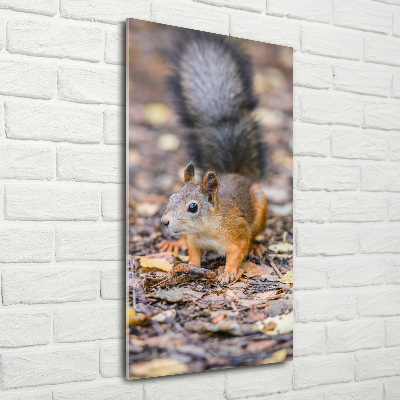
{"type": "Point", "coordinates": [209, 202]}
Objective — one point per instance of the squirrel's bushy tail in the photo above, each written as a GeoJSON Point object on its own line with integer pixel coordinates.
{"type": "Point", "coordinates": [212, 87]}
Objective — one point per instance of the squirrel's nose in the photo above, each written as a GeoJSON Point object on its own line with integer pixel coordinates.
{"type": "Point", "coordinates": [165, 221]}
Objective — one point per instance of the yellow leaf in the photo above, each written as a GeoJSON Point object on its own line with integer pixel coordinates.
{"type": "Point", "coordinates": [180, 257]}
{"type": "Point", "coordinates": [146, 209]}
{"type": "Point", "coordinates": [162, 316]}
{"type": "Point", "coordinates": [288, 277]}
{"type": "Point", "coordinates": [159, 261]}
{"type": "Point", "coordinates": [156, 113]}
{"type": "Point", "coordinates": [158, 367]}
{"type": "Point", "coordinates": [283, 247]}
{"type": "Point", "coordinates": [278, 356]}
{"type": "Point", "coordinates": [283, 324]}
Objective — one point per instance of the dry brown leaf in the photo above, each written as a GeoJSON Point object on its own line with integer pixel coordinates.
{"type": "Point", "coordinates": [158, 367]}
{"type": "Point", "coordinates": [266, 295]}
{"type": "Point", "coordinates": [260, 345]}
{"type": "Point", "coordinates": [230, 295]}
{"type": "Point", "coordinates": [230, 327]}
{"type": "Point", "coordinates": [256, 315]}
{"type": "Point", "coordinates": [250, 269]}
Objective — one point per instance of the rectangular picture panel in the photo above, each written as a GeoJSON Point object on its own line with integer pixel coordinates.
{"type": "Point", "coordinates": [209, 201]}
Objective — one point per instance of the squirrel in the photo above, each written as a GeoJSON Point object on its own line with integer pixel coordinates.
{"type": "Point", "coordinates": [212, 89]}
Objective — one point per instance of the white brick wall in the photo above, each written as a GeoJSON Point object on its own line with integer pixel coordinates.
{"type": "Point", "coordinates": [62, 198]}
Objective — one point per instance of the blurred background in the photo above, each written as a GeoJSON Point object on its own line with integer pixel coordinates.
{"type": "Point", "coordinates": [156, 156]}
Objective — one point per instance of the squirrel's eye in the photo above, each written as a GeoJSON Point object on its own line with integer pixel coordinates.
{"type": "Point", "coordinates": [193, 208]}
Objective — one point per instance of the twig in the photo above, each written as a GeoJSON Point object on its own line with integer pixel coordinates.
{"type": "Point", "coordinates": [274, 266]}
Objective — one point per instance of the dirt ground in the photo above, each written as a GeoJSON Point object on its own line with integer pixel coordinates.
{"type": "Point", "coordinates": [198, 325]}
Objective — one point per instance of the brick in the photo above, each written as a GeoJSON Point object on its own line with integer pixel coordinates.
{"type": "Point", "coordinates": [332, 41]}
{"type": "Point", "coordinates": [354, 335]}
{"type": "Point", "coordinates": [325, 306]}
{"type": "Point", "coordinates": [323, 370]}
{"type": "Point", "coordinates": [311, 206]}
{"type": "Point", "coordinates": [91, 85]}
{"type": "Point", "coordinates": [377, 364]}
{"type": "Point", "coordinates": [104, 11]}
{"type": "Point", "coordinates": [112, 285]}
{"type": "Point", "coordinates": [101, 391]}
{"type": "Point", "coordinates": [310, 10]}
{"type": "Point", "coordinates": [381, 49]}
{"type": "Point", "coordinates": [327, 240]}
{"type": "Point", "coordinates": [45, 7]}
{"type": "Point", "coordinates": [392, 389]}
{"type": "Point", "coordinates": [190, 15]}
{"type": "Point", "coordinates": [396, 23]}
{"type": "Point", "coordinates": [359, 143]}
{"type": "Point", "coordinates": [296, 395]}
{"type": "Point", "coordinates": [394, 146]}
{"type": "Point", "coordinates": [15, 324]}
{"type": "Point", "coordinates": [363, 78]}
{"type": "Point", "coordinates": [26, 244]}
{"type": "Point", "coordinates": [48, 366]}
{"type": "Point", "coordinates": [114, 126]}
{"type": "Point", "coordinates": [309, 273]}
{"type": "Point", "coordinates": [355, 271]}
{"type": "Point", "coordinates": [320, 174]}
{"type": "Point", "coordinates": [92, 242]}
{"type": "Point", "coordinates": [354, 391]}
{"type": "Point", "coordinates": [49, 285]}
{"type": "Point", "coordinates": [374, 17]}
{"type": "Point", "coordinates": [382, 114]}
{"type": "Point", "coordinates": [246, 382]}
{"type": "Point", "coordinates": [311, 140]}
{"type": "Point", "coordinates": [113, 203]}
{"type": "Point", "coordinates": [84, 323]}
{"type": "Point", "coordinates": [43, 121]}
{"type": "Point", "coordinates": [2, 33]}
{"type": "Point", "coordinates": [115, 45]}
{"type": "Point", "coordinates": [377, 302]}
{"type": "Point", "coordinates": [195, 389]}
{"type": "Point", "coordinates": [44, 202]}
{"type": "Point", "coordinates": [26, 162]}
{"type": "Point", "coordinates": [312, 72]}
{"type": "Point", "coordinates": [394, 208]}
{"type": "Point", "coordinates": [27, 78]}
{"type": "Point", "coordinates": [111, 355]}
{"type": "Point", "coordinates": [308, 339]}
{"type": "Point", "coordinates": [255, 5]}
{"type": "Point", "coordinates": [284, 32]}
{"type": "Point", "coordinates": [390, 1]}
{"type": "Point", "coordinates": [54, 39]}
{"type": "Point", "coordinates": [358, 207]}
{"type": "Point", "coordinates": [381, 177]}
{"type": "Point", "coordinates": [89, 164]}
{"type": "Point", "coordinates": [33, 394]}
{"type": "Point", "coordinates": [393, 273]}
{"type": "Point", "coordinates": [2, 123]}
{"type": "Point", "coordinates": [392, 329]}
{"type": "Point", "coordinates": [323, 107]}
{"type": "Point", "coordinates": [380, 238]}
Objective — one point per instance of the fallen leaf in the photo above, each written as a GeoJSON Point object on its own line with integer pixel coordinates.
{"type": "Point", "coordinates": [250, 269]}
{"type": "Point", "coordinates": [282, 247]}
{"type": "Point", "coordinates": [161, 317]}
{"type": "Point", "coordinates": [135, 318]}
{"type": "Point", "coordinates": [156, 113]}
{"type": "Point", "coordinates": [230, 327]}
{"type": "Point", "coordinates": [220, 317]}
{"type": "Point", "coordinates": [146, 209]}
{"type": "Point", "coordinates": [230, 295]}
{"type": "Point", "coordinates": [256, 315]}
{"type": "Point", "coordinates": [257, 346]}
{"type": "Point", "coordinates": [278, 356]}
{"type": "Point", "coordinates": [288, 277]}
{"type": "Point", "coordinates": [168, 142]}
{"type": "Point", "coordinates": [180, 257]}
{"type": "Point", "coordinates": [161, 261]}
{"type": "Point", "coordinates": [266, 295]}
{"type": "Point", "coordinates": [172, 296]}
{"type": "Point", "coordinates": [158, 367]}
{"type": "Point", "coordinates": [283, 324]}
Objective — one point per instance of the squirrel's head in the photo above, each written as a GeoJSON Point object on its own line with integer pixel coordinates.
{"type": "Point", "coordinates": [190, 210]}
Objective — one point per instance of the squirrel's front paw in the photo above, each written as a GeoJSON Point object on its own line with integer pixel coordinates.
{"type": "Point", "coordinates": [228, 276]}
{"type": "Point", "coordinates": [166, 245]}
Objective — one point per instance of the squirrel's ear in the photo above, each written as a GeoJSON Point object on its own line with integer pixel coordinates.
{"type": "Point", "coordinates": [209, 186]}
{"type": "Point", "coordinates": [189, 173]}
